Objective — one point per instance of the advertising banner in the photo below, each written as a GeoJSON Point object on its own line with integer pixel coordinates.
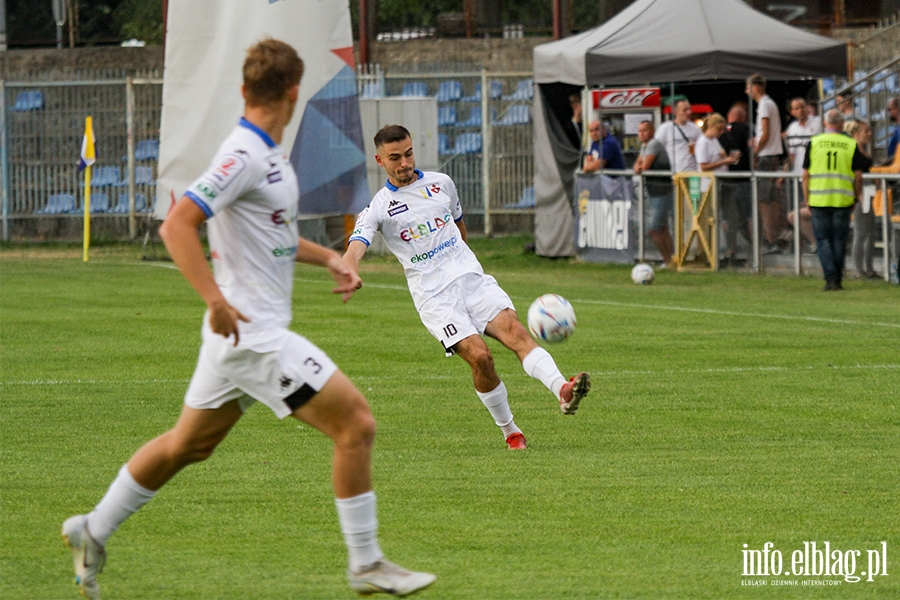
{"type": "Point", "coordinates": [205, 47]}
{"type": "Point", "coordinates": [606, 223]}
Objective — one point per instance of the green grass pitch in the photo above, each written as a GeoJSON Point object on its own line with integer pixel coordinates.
{"type": "Point", "coordinates": [726, 410]}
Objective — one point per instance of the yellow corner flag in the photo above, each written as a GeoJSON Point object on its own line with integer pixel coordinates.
{"type": "Point", "coordinates": [88, 158]}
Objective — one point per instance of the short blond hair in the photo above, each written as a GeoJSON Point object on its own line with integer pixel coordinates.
{"type": "Point", "coordinates": [713, 120]}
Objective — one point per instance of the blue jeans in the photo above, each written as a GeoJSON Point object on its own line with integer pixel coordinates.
{"type": "Point", "coordinates": [831, 226]}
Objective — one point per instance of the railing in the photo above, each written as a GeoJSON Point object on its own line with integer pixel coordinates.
{"type": "Point", "coordinates": [42, 129]}
{"type": "Point", "coordinates": [480, 114]}
{"type": "Point", "coordinates": [758, 261]}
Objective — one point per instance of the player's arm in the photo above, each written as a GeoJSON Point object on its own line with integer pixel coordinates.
{"type": "Point", "coordinates": [764, 138]}
{"type": "Point", "coordinates": [462, 229]}
{"type": "Point", "coordinates": [180, 234]}
{"type": "Point", "coordinates": [341, 271]}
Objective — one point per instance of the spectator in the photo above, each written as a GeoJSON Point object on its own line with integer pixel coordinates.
{"type": "Point", "coordinates": [768, 149]}
{"type": "Point", "coordinates": [863, 216]}
{"type": "Point", "coordinates": [799, 132]}
{"type": "Point", "coordinates": [736, 201]}
{"type": "Point", "coordinates": [845, 105]}
{"type": "Point", "coordinates": [575, 101]}
{"type": "Point", "coordinates": [893, 107]}
{"type": "Point", "coordinates": [679, 136]}
{"type": "Point", "coordinates": [658, 189]}
{"type": "Point", "coordinates": [832, 181]}
{"type": "Point", "coordinates": [712, 157]}
{"type": "Point", "coordinates": [605, 152]}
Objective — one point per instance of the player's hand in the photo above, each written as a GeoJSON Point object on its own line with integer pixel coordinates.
{"type": "Point", "coordinates": [223, 320]}
{"type": "Point", "coordinates": [347, 278]}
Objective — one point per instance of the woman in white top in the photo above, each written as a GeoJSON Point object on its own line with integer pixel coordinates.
{"type": "Point", "coordinates": [709, 152]}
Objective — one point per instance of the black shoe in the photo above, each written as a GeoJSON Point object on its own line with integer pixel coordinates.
{"type": "Point", "coordinates": [832, 286]}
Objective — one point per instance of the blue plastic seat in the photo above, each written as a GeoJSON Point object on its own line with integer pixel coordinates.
{"type": "Point", "coordinates": [444, 146]}
{"type": "Point", "coordinates": [414, 89]}
{"type": "Point", "coordinates": [57, 204]}
{"type": "Point", "coordinates": [526, 200]}
{"type": "Point", "coordinates": [104, 175]}
{"type": "Point", "coordinates": [28, 101]}
{"type": "Point", "coordinates": [142, 176]}
{"type": "Point", "coordinates": [496, 89]}
{"type": "Point", "coordinates": [474, 119]}
{"type": "Point", "coordinates": [446, 116]}
{"type": "Point", "coordinates": [524, 91]}
{"type": "Point", "coordinates": [449, 91]}
{"type": "Point", "coordinates": [476, 97]}
{"type": "Point", "coordinates": [468, 143]}
{"type": "Point", "coordinates": [99, 203]}
{"type": "Point", "coordinates": [140, 204]}
{"type": "Point", "coordinates": [515, 115]}
{"type": "Point", "coordinates": [145, 150]}
{"type": "Point", "coordinates": [372, 90]}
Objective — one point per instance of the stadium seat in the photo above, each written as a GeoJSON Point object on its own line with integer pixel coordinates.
{"type": "Point", "coordinates": [99, 203]}
{"type": "Point", "coordinates": [449, 91]}
{"type": "Point", "coordinates": [103, 175]}
{"type": "Point", "coordinates": [524, 91]}
{"type": "Point", "coordinates": [526, 200]}
{"type": "Point", "coordinates": [474, 119]}
{"type": "Point", "coordinates": [444, 146]}
{"type": "Point", "coordinates": [468, 143]}
{"type": "Point", "coordinates": [414, 89]}
{"type": "Point", "coordinates": [57, 204]}
{"type": "Point", "coordinates": [446, 116]}
{"type": "Point", "coordinates": [515, 115]}
{"type": "Point", "coordinates": [28, 101]}
{"type": "Point", "coordinates": [140, 204]}
{"type": "Point", "coordinates": [496, 89]}
{"type": "Point", "coordinates": [372, 90]}
{"type": "Point", "coordinates": [142, 176]}
{"type": "Point", "coordinates": [145, 150]}
{"type": "Point", "coordinates": [476, 97]}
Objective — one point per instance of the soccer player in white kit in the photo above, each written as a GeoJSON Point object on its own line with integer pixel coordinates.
{"type": "Point", "coordinates": [249, 195]}
{"type": "Point", "coordinates": [420, 217]}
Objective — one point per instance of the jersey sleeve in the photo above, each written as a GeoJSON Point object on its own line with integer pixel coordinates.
{"type": "Point", "coordinates": [229, 175]}
{"type": "Point", "coordinates": [366, 226]}
{"type": "Point", "coordinates": [455, 204]}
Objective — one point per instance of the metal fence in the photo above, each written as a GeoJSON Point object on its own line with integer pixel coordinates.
{"type": "Point", "coordinates": [485, 133]}
{"type": "Point", "coordinates": [42, 131]}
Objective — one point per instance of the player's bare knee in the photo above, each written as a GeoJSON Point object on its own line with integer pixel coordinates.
{"type": "Point", "coordinates": [482, 361]}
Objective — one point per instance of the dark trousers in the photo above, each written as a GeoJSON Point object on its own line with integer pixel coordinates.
{"type": "Point", "coordinates": [831, 226]}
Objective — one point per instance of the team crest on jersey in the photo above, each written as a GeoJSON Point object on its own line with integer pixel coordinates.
{"type": "Point", "coordinates": [226, 170]}
{"type": "Point", "coordinates": [429, 192]}
{"type": "Point", "coordinates": [400, 208]}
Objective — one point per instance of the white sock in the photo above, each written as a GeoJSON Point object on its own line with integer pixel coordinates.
{"type": "Point", "coordinates": [539, 364]}
{"type": "Point", "coordinates": [359, 524]}
{"type": "Point", "coordinates": [124, 497]}
{"type": "Point", "coordinates": [497, 402]}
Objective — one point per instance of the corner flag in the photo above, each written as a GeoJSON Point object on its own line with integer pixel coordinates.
{"type": "Point", "coordinates": [88, 152]}
{"type": "Point", "coordinates": [88, 157]}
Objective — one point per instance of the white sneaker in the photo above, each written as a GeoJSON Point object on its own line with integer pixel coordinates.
{"type": "Point", "coordinates": [88, 555]}
{"type": "Point", "coordinates": [388, 578]}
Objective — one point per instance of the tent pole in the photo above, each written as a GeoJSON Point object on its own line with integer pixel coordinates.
{"type": "Point", "coordinates": [754, 187]}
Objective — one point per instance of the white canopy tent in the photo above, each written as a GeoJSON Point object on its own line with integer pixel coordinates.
{"type": "Point", "coordinates": [656, 41]}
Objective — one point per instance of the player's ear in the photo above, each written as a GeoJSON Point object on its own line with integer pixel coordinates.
{"type": "Point", "coordinates": [243, 92]}
{"type": "Point", "coordinates": [378, 160]}
{"type": "Point", "coordinates": [293, 93]}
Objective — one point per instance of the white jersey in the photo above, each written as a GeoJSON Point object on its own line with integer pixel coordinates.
{"type": "Point", "coordinates": [418, 222]}
{"type": "Point", "coordinates": [250, 196]}
{"type": "Point", "coordinates": [679, 140]}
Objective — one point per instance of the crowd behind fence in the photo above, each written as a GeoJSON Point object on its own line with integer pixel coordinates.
{"type": "Point", "coordinates": [485, 140]}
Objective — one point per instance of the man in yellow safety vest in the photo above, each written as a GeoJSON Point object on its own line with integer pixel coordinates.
{"type": "Point", "coordinates": [832, 181]}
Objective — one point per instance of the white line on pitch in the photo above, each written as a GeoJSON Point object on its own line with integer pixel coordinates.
{"type": "Point", "coordinates": [436, 376]}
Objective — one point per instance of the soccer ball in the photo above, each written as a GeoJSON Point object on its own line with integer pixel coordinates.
{"type": "Point", "coordinates": [642, 274]}
{"type": "Point", "coordinates": [551, 318]}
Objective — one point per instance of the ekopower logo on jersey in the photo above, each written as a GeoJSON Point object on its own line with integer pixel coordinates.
{"type": "Point", "coordinates": [812, 564]}
{"type": "Point", "coordinates": [434, 251]}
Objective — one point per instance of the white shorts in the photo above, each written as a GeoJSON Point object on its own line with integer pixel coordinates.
{"type": "Point", "coordinates": [283, 372]}
{"type": "Point", "coordinates": [463, 308]}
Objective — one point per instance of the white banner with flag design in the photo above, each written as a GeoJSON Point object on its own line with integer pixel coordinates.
{"type": "Point", "coordinates": [206, 43]}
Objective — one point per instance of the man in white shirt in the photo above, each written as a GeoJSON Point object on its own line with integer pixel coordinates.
{"type": "Point", "coordinates": [420, 216]}
{"type": "Point", "coordinates": [248, 198]}
{"type": "Point", "coordinates": [799, 132]}
{"type": "Point", "coordinates": [768, 149]}
{"type": "Point", "coordinates": [679, 136]}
